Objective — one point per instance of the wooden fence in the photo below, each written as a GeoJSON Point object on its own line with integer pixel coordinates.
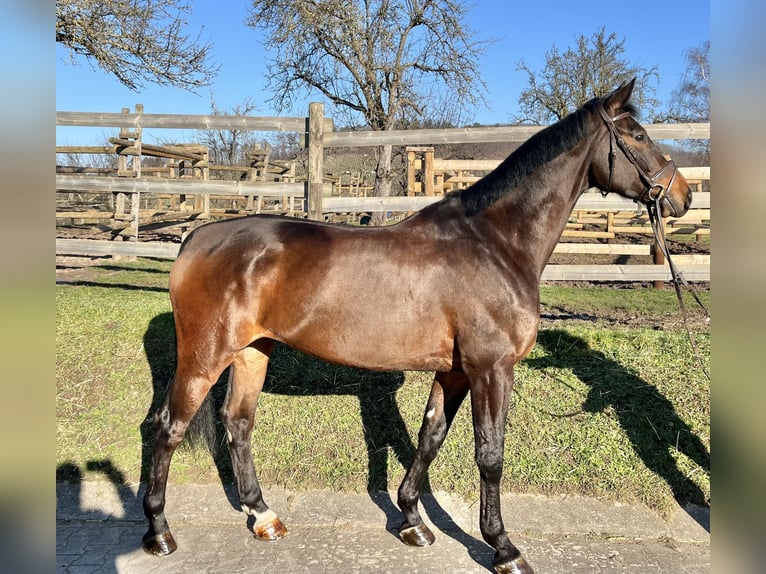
{"type": "Point", "coordinates": [316, 196]}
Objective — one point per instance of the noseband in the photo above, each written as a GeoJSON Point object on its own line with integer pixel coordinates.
{"type": "Point", "coordinates": [655, 191]}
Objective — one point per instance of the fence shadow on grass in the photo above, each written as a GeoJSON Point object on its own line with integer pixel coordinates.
{"type": "Point", "coordinates": [294, 374]}
{"type": "Point", "coordinates": [647, 417]}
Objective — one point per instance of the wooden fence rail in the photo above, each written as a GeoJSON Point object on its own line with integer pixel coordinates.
{"type": "Point", "coordinates": [642, 273]}
{"type": "Point", "coordinates": [186, 121]}
{"type": "Point", "coordinates": [500, 134]}
{"type": "Point", "coordinates": [84, 182]}
{"type": "Point", "coordinates": [317, 134]}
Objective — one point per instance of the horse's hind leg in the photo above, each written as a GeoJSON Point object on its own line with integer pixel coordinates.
{"type": "Point", "coordinates": [185, 395]}
{"type": "Point", "coordinates": [447, 394]}
{"type": "Point", "coordinates": [246, 377]}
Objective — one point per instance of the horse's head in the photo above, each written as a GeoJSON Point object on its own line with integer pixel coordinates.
{"type": "Point", "coordinates": [628, 162]}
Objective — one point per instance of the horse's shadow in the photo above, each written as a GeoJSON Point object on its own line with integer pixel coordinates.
{"type": "Point", "coordinates": [647, 417]}
{"type": "Point", "coordinates": [110, 546]}
{"type": "Point", "coordinates": [294, 374]}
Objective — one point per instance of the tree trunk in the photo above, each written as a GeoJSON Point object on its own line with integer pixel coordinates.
{"type": "Point", "coordinates": [383, 181]}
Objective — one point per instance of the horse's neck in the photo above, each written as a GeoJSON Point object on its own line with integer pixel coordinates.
{"type": "Point", "coordinates": [533, 215]}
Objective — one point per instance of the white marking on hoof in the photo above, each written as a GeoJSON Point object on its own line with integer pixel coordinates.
{"type": "Point", "coordinates": [264, 517]}
{"type": "Point", "coordinates": [260, 517]}
{"type": "Point", "coordinates": [431, 412]}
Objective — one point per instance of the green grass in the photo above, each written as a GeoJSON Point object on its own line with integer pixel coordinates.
{"type": "Point", "coordinates": [621, 413]}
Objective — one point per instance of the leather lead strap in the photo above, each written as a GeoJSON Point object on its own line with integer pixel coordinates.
{"type": "Point", "coordinates": [653, 208]}
{"type": "Point", "coordinates": [677, 277]}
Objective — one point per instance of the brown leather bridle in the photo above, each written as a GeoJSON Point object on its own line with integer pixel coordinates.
{"type": "Point", "coordinates": [655, 191]}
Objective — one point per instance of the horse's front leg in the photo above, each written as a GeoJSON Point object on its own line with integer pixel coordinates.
{"type": "Point", "coordinates": [447, 394]}
{"type": "Point", "coordinates": [246, 378]}
{"type": "Point", "coordinates": [490, 397]}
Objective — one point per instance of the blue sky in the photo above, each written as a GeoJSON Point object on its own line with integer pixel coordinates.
{"type": "Point", "coordinates": [655, 32]}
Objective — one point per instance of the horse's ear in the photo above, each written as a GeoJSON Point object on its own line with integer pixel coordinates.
{"type": "Point", "coordinates": [618, 98]}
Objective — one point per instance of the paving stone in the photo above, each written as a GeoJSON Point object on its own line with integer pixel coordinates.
{"type": "Point", "coordinates": [356, 534]}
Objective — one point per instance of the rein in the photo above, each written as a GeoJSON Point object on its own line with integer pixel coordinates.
{"type": "Point", "coordinates": [652, 202]}
{"type": "Point", "coordinates": [678, 277]}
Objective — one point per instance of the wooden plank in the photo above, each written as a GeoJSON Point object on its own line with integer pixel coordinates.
{"type": "Point", "coordinates": [592, 200]}
{"type": "Point", "coordinates": [588, 234]}
{"type": "Point", "coordinates": [466, 164]}
{"type": "Point", "coordinates": [603, 248]}
{"type": "Point", "coordinates": [89, 214]}
{"type": "Point", "coordinates": [591, 220]}
{"type": "Point", "coordinates": [315, 161]}
{"type": "Point", "coordinates": [430, 136]}
{"type": "Point", "coordinates": [462, 179]}
{"type": "Point", "coordinates": [488, 135]}
{"type": "Point", "coordinates": [696, 215]}
{"type": "Point", "coordinates": [690, 131]}
{"type": "Point", "coordinates": [636, 229]}
{"type": "Point", "coordinates": [428, 172]}
{"type": "Point", "coordinates": [691, 259]}
{"type": "Point", "coordinates": [696, 172]}
{"type": "Point", "coordinates": [132, 248]}
{"type": "Point", "coordinates": [359, 204]}
{"type": "Point", "coordinates": [341, 139]}
{"type": "Point", "coordinates": [622, 272]}
{"type": "Point", "coordinates": [701, 172]}
{"type": "Point", "coordinates": [551, 272]}
{"type": "Point", "coordinates": [77, 149]}
{"type": "Point", "coordinates": [587, 202]}
{"type": "Point", "coordinates": [168, 152]}
{"type": "Point", "coordinates": [185, 121]}
{"type": "Point", "coordinates": [177, 186]}
{"type": "Point", "coordinates": [330, 204]}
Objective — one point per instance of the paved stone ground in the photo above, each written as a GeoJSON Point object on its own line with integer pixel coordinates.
{"type": "Point", "coordinates": [99, 529]}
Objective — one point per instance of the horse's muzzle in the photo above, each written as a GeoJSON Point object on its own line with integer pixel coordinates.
{"type": "Point", "coordinates": [673, 206]}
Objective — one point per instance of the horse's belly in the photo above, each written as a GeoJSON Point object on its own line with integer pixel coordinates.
{"type": "Point", "coordinates": [371, 341]}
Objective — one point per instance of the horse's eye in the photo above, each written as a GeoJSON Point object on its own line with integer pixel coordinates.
{"type": "Point", "coordinates": [640, 137]}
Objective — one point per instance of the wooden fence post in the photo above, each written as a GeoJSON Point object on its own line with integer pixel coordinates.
{"type": "Point", "coordinates": [428, 171]}
{"type": "Point", "coordinates": [316, 161]}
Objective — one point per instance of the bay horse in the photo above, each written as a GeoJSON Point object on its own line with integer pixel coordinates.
{"type": "Point", "coordinates": [452, 289]}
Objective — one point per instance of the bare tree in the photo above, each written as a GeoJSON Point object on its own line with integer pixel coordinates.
{"type": "Point", "coordinates": [232, 147]}
{"type": "Point", "coordinates": [228, 147]}
{"type": "Point", "coordinates": [136, 41]}
{"type": "Point", "coordinates": [593, 67]}
{"type": "Point", "coordinates": [381, 61]}
{"type": "Point", "coordinates": [690, 101]}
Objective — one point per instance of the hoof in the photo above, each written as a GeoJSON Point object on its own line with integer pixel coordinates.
{"type": "Point", "coordinates": [159, 544]}
{"type": "Point", "coordinates": [271, 530]}
{"type": "Point", "coordinates": [418, 535]}
{"type": "Point", "coordinates": [515, 566]}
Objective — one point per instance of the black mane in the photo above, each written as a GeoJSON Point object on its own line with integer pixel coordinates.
{"type": "Point", "coordinates": [538, 150]}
